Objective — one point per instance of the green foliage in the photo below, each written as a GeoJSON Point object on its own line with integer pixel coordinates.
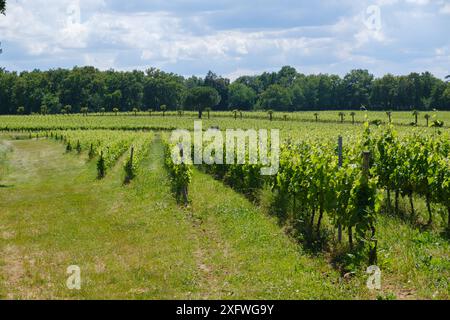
{"type": "Point", "coordinates": [139, 149]}
{"type": "Point", "coordinates": [107, 145]}
{"type": "Point", "coordinates": [376, 122]}
{"type": "Point", "coordinates": [180, 174]}
{"type": "Point", "coordinates": [437, 124]}
{"type": "Point", "coordinates": [91, 153]}
{"type": "Point", "coordinates": [202, 97]}
{"type": "Point", "coordinates": [286, 90]}
{"type": "Point", "coordinates": [310, 176]}
{"type": "Point", "coordinates": [163, 108]}
{"type": "Point", "coordinates": [414, 165]}
{"type": "Point", "coordinates": [276, 97]}
{"type": "Point", "coordinates": [44, 110]}
{"type": "Point", "coordinates": [66, 109]}
{"type": "Point", "coordinates": [101, 167]}
{"type": "Point", "coordinates": [20, 110]}
{"type": "Point", "coordinates": [78, 147]}
{"type": "Point", "coordinates": [161, 88]}
{"type": "Point", "coordinates": [208, 111]}
{"type": "Point", "coordinates": [241, 96]}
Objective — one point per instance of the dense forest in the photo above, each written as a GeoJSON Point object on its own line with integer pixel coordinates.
{"type": "Point", "coordinates": [85, 89]}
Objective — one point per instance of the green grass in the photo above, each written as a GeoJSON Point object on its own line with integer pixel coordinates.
{"type": "Point", "coordinates": [129, 242]}
{"type": "Point", "coordinates": [135, 242]}
{"type": "Point", "coordinates": [254, 258]}
{"type": "Point", "coordinates": [415, 262]}
{"type": "Point", "coordinates": [298, 126]}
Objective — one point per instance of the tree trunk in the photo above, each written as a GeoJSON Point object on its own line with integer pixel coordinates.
{"type": "Point", "coordinates": [311, 223]}
{"type": "Point", "coordinates": [413, 212]}
{"type": "Point", "coordinates": [339, 233]}
{"type": "Point", "coordinates": [397, 195]}
{"type": "Point", "coordinates": [350, 238]}
{"type": "Point", "coordinates": [389, 200]}
{"type": "Point", "coordinates": [319, 221]}
{"type": "Point", "coordinates": [448, 226]}
{"type": "Point", "coordinates": [293, 204]}
{"type": "Point", "coordinates": [200, 112]}
{"type": "Point", "coordinates": [430, 213]}
{"type": "Point", "coordinates": [185, 195]}
{"type": "Point", "coordinates": [373, 251]}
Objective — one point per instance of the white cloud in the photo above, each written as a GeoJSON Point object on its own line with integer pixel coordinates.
{"type": "Point", "coordinates": [53, 30]}
{"type": "Point", "coordinates": [445, 9]}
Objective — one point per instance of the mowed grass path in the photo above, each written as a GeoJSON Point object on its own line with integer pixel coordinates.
{"type": "Point", "coordinates": [129, 243]}
{"type": "Point", "coordinates": [135, 242]}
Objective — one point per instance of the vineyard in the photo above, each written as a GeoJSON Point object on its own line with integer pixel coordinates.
{"type": "Point", "coordinates": [314, 179]}
{"type": "Point", "coordinates": [351, 191]}
{"type": "Point", "coordinates": [230, 119]}
{"type": "Point", "coordinates": [105, 146]}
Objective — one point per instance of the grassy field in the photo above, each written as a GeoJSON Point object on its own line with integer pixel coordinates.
{"type": "Point", "coordinates": [144, 118]}
{"type": "Point", "coordinates": [135, 242]}
{"type": "Point", "coordinates": [296, 130]}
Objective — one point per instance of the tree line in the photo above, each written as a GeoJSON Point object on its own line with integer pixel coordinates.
{"type": "Point", "coordinates": [87, 89]}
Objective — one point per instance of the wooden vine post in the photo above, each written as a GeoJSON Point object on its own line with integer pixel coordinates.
{"type": "Point", "coordinates": [131, 156]}
{"type": "Point", "coordinates": [366, 163]}
{"type": "Point", "coordinates": [340, 162]}
{"type": "Point", "coordinates": [373, 250]}
{"type": "Point", "coordinates": [184, 188]}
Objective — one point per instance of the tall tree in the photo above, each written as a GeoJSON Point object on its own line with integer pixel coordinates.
{"type": "Point", "coordinates": [358, 84]}
{"type": "Point", "coordinates": [162, 88]}
{"type": "Point", "coordinates": [283, 90]}
{"type": "Point", "coordinates": [221, 85]}
{"type": "Point", "coordinates": [200, 98]}
{"type": "Point", "coordinates": [241, 96]}
{"type": "Point", "coordinates": [286, 76]}
{"type": "Point", "coordinates": [276, 97]}
{"type": "Point", "coordinates": [384, 92]}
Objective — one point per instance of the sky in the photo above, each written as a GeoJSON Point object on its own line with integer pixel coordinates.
{"type": "Point", "coordinates": [230, 37]}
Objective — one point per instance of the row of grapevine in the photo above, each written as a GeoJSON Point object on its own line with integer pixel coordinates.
{"type": "Point", "coordinates": [138, 151]}
{"type": "Point", "coordinates": [180, 173]}
{"type": "Point", "coordinates": [245, 178]}
{"type": "Point", "coordinates": [312, 182]}
{"type": "Point", "coordinates": [415, 165]}
{"type": "Point", "coordinates": [107, 147]}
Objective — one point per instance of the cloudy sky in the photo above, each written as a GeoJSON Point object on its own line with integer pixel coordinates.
{"type": "Point", "coordinates": [230, 37]}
